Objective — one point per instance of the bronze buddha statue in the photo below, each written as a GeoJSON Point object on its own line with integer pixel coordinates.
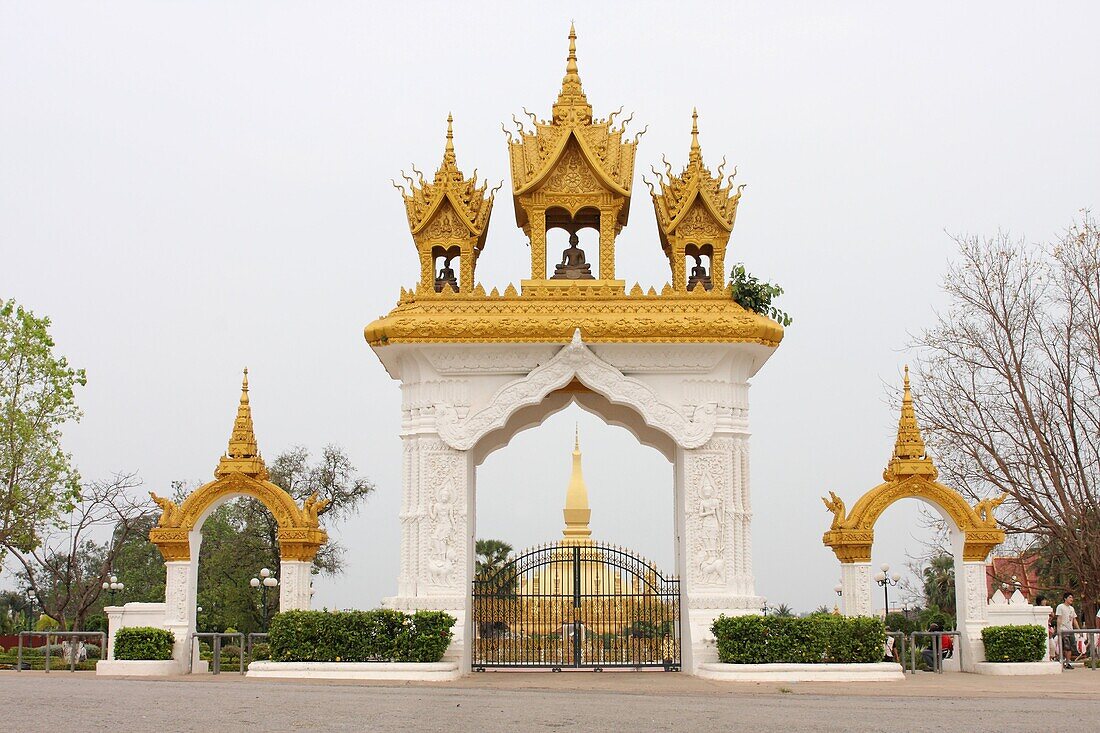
{"type": "Point", "coordinates": [446, 277]}
{"type": "Point", "coordinates": [699, 275]}
{"type": "Point", "coordinates": [573, 266]}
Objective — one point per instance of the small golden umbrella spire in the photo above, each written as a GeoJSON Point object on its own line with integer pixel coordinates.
{"type": "Point", "coordinates": [696, 154]}
{"type": "Point", "coordinates": [910, 456]}
{"type": "Point", "coordinates": [572, 104]}
{"type": "Point", "coordinates": [243, 455]}
{"type": "Point", "coordinates": [449, 160]}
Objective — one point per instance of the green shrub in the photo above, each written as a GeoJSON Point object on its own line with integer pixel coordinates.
{"type": "Point", "coordinates": [261, 651]}
{"type": "Point", "coordinates": [813, 639]}
{"type": "Point", "coordinates": [46, 623]}
{"type": "Point", "coordinates": [901, 622]}
{"type": "Point", "coordinates": [382, 635]}
{"type": "Point", "coordinates": [1015, 643]}
{"type": "Point", "coordinates": [144, 642]}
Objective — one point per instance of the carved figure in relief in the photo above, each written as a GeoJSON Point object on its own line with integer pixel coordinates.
{"type": "Point", "coordinates": [712, 566]}
{"type": "Point", "coordinates": [441, 513]}
{"type": "Point", "coordinates": [836, 505]}
{"type": "Point", "coordinates": [985, 507]}
{"type": "Point", "coordinates": [313, 506]}
{"type": "Point", "coordinates": [168, 511]}
{"type": "Point", "coordinates": [710, 512]}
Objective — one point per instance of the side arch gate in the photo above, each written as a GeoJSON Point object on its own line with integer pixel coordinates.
{"type": "Point", "coordinates": [579, 605]}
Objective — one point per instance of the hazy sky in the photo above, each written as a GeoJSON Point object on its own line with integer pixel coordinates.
{"type": "Point", "coordinates": [187, 188]}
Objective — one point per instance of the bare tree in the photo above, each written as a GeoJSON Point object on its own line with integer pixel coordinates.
{"type": "Point", "coordinates": [65, 571]}
{"type": "Point", "coordinates": [1010, 392]}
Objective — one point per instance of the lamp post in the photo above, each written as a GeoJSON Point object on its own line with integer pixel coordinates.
{"type": "Point", "coordinates": [886, 580]}
{"type": "Point", "coordinates": [265, 581]}
{"type": "Point", "coordinates": [764, 605]}
{"type": "Point", "coordinates": [113, 587]}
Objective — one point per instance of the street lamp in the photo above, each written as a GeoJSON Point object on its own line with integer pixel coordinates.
{"type": "Point", "coordinates": [764, 605]}
{"type": "Point", "coordinates": [838, 589]}
{"type": "Point", "coordinates": [885, 580]}
{"type": "Point", "coordinates": [113, 587]}
{"type": "Point", "coordinates": [265, 581]}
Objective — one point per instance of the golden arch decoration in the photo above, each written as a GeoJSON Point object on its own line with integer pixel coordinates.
{"type": "Point", "coordinates": [299, 533]}
{"type": "Point", "coordinates": [240, 472]}
{"type": "Point", "coordinates": [852, 535]}
{"type": "Point", "coordinates": [910, 474]}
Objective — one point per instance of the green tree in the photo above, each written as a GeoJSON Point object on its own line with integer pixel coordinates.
{"type": "Point", "coordinates": [65, 571]}
{"type": "Point", "coordinates": [783, 611]}
{"type": "Point", "coordinates": [939, 583]}
{"type": "Point", "coordinates": [491, 556]}
{"type": "Point", "coordinates": [37, 397]}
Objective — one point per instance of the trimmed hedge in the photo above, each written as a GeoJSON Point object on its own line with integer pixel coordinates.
{"type": "Point", "coordinates": [816, 639]}
{"type": "Point", "coordinates": [1015, 643]}
{"type": "Point", "coordinates": [382, 635]}
{"type": "Point", "coordinates": [143, 642]}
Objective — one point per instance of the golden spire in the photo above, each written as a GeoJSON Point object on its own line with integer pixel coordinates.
{"type": "Point", "coordinates": [449, 160]}
{"type": "Point", "coordinates": [571, 98]}
{"type": "Point", "coordinates": [243, 455]}
{"type": "Point", "coordinates": [910, 456]}
{"type": "Point", "coordinates": [577, 513]}
{"type": "Point", "coordinates": [695, 156]}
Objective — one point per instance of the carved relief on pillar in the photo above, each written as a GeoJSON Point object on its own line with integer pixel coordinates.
{"type": "Point", "coordinates": [410, 516]}
{"type": "Point", "coordinates": [974, 580]}
{"type": "Point", "coordinates": [711, 515]}
{"type": "Point", "coordinates": [537, 228]}
{"type": "Point", "coordinates": [177, 579]}
{"type": "Point", "coordinates": [443, 518]}
{"type": "Point", "coordinates": [607, 243]}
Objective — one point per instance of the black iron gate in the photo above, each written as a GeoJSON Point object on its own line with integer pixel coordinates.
{"type": "Point", "coordinates": [576, 605]}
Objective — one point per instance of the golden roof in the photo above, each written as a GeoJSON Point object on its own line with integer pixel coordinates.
{"type": "Point", "coordinates": [243, 455]}
{"type": "Point", "coordinates": [571, 144]}
{"type": "Point", "coordinates": [471, 202]}
{"type": "Point", "coordinates": [678, 193]}
{"type": "Point", "coordinates": [535, 154]}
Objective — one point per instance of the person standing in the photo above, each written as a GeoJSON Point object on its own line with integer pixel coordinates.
{"type": "Point", "coordinates": [1066, 616]}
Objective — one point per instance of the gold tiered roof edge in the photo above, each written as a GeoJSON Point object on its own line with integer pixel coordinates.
{"type": "Point", "coordinates": [563, 167]}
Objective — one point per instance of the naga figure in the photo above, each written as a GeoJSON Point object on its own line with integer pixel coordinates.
{"type": "Point", "coordinates": [313, 506]}
{"type": "Point", "coordinates": [168, 510]}
{"type": "Point", "coordinates": [836, 505]}
{"type": "Point", "coordinates": [985, 507]}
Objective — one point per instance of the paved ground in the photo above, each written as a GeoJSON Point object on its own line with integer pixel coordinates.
{"type": "Point", "coordinates": [485, 703]}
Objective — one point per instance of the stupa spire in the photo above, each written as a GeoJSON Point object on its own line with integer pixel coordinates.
{"type": "Point", "coordinates": [577, 512]}
{"type": "Point", "coordinates": [910, 456]}
{"type": "Point", "coordinates": [243, 454]}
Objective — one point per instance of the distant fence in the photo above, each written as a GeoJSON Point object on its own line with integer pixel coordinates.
{"type": "Point", "coordinates": [11, 641]}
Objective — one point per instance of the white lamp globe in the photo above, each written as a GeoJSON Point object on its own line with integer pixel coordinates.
{"type": "Point", "coordinates": [255, 582]}
{"type": "Point", "coordinates": [265, 573]}
{"type": "Point", "coordinates": [271, 582]}
{"type": "Point", "coordinates": [895, 577]}
{"type": "Point", "coordinates": [838, 588]}
{"type": "Point", "coordinates": [106, 585]}
{"type": "Point", "coordinates": [880, 577]}
{"type": "Point", "coordinates": [885, 567]}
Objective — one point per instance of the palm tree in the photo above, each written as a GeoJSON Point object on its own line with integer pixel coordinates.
{"type": "Point", "coordinates": [492, 555]}
{"type": "Point", "coordinates": [939, 583]}
{"type": "Point", "coordinates": [783, 611]}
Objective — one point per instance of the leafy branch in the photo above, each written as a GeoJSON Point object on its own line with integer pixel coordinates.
{"type": "Point", "coordinates": [752, 294]}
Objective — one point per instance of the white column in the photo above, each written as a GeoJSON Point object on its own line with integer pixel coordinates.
{"type": "Point", "coordinates": [855, 581]}
{"type": "Point", "coordinates": [295, 579]}
{"type": "Point", "coordinates": [180, 587]}
{"type": "Point", "coordinates": [437, 536]}
{"type": "Point", "coordinates": [970, 609]}
{"type": "Point", "coordinates": [713, 532]}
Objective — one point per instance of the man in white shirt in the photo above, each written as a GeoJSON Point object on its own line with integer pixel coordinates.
{"type": "Point", "coordinates": [1067, 622]}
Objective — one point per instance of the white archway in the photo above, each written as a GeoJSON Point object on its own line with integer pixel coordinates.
{"type": "Point", "coordinates": [689, 401]}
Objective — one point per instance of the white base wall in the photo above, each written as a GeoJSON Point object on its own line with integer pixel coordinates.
{"type": "Point", "coordinates": [408, 671]}
{"type": "Point", "coordinates": [877, 672]}
{"type": "Point", "coordinates": [138, 668]}
{"type": "Point", "coordinates": [1017, 669]}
